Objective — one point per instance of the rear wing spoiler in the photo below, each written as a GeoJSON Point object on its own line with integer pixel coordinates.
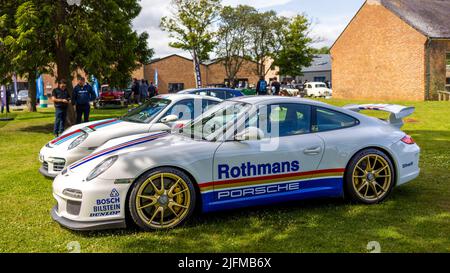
{"type": "Point", "coordinates": [398, 112]}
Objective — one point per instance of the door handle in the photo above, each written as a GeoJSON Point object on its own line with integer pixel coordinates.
{"type": "Point", "coordinates": [312, 151]}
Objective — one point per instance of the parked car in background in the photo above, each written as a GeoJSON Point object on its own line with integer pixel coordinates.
{"type": "Point", "coordinates": [22, 97]}
{"type": "Point", "coordinates": [248, 91]}
{"type": "Point", "coordinates": [290, 89]}
{"type": "Point", "coordinates": [161, 113]}
{"type": "Point", "coordinates": [317, 89]}
{"type": "Point", "coordinates": [111, 96]}
{"type": "Point", "coordinates": [221, 93]}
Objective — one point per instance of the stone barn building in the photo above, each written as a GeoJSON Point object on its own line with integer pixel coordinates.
{"type": "Point", "coordinates": [394, 50]}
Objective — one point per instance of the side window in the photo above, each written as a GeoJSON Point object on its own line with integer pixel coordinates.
{"type": "Point", "coordinates": [327, 120]}
{"type": "Point", "coordinates": [309, 86]}
{"type": "Point", "coordinates": [283, 120]}
{"type": "Point", "coordinates": [183, 109]}
{"type": "Point", "coordinates": [201, 93]}
{"type": "Point", "coordinates": [229, 95]}
{"type": "Point", "coordinates": [207, 104]}
{"type": "Point", "coordinates": [217, 94]}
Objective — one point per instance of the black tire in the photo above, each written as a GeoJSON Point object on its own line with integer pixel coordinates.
{"type": "Point", "coordinates": [380, 185]}
{"type": "Point", "coordinates": [139, 216]}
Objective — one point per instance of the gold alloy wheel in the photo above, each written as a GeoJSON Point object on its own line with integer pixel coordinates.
{"type": "Point", "coordinates": [163, 200]}
{"type": "Point", "coordinates": [372, 177]}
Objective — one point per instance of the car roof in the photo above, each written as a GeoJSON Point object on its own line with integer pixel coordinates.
{"type": "Point", "coordinates": [178, 97]}
{"type": "Point", "coordinates": [277, 99]}
{"type": "Point", "coordinates": [212, 89]}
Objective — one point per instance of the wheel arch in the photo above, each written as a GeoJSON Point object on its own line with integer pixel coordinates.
{"type": "Point", "coordinates": [198, 202]}
{"type": "Point", "coordinates": [381, 149]}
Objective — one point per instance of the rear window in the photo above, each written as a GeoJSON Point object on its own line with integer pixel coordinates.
{"type": "Point", "coordinates": [327, 120]}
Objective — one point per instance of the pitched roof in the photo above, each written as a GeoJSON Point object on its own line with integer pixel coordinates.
{"type": "Point", "coordinates": [321, 62]}
{"type": "Point", "coordinates": [430, 17]}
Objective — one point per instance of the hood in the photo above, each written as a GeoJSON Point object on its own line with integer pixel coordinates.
{"type": "Point", "coordinates": [127, 145]}
{"type": "Point", "coordinates": [98, 132]}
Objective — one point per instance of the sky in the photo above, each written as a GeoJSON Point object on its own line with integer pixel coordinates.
{"type": "Point", "coordinates": [328, 17]}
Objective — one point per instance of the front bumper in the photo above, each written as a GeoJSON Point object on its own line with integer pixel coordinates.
{"type": "Point", "coordinates": [84, 226]}
{"type": "Point", "coordinates": [55, 159]}
{"type": "Point", "coordinates": [44, 171]}
{"type": "Point", "coordinates": [98, 204]}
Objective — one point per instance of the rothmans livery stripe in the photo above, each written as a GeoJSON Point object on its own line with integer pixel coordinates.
{"type": "Point", "coordinates": [76, 133]}
{"type": "Point", "coordinates": [118, 147]}
{"type": "Point", "coordinates": [104, 123]}
{"type": "Point", "coordinates": [270, 179]}
{"type": "Point", "coordinates": [66, 137]}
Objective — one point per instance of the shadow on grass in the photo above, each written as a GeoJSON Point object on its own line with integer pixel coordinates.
{"type": "Point", "coordinates": [42, 129]}
{"type": "Point", "coordinates": [3, 123]}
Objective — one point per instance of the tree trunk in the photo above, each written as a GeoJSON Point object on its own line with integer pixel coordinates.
{"type": "Point", "coordinates": [63, 61]}
{"type": "Point", "coordinates": [197, 70]}
{"type": "Point", "coordinates": [31, 102]}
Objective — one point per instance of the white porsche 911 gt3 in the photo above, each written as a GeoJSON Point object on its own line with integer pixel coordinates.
{"type": "Point", "coordinates": [242, 152]}
{"type": "Point", "coordinates": [160, 113]}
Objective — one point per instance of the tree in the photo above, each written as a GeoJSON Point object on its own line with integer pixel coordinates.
{"type": "Point", "coordinates": [233, 38]}
{"type": "Point", "coordinates": [7, 11]}
{"type": "Point", "coordinates": [191, 26]}
{"type": "Point", "coordinates": [27, 45]}
{"type": "Point", "coordinates": [295, 53]}
{"type": "Point", "coordinates": [322, 50]}
{"type": "Point", "coordinates": [266, 32]}
{"type": "Point", "coordinates": [95, 36]}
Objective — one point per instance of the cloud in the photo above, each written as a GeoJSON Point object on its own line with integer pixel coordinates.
{"type": "Point", "coordinates": [326, 29]}
{"type": "Point", "coordinates": [259, 4]}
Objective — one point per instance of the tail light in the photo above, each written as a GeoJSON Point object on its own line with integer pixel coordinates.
{"type": "Point", "coordinates": [408, 140]}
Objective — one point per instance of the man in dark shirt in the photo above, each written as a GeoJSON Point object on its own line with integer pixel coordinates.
{"type": "Point", "coordinates": [261, 86]}
{"type": "Point", "coordinates": [83, 94]}
{"type": "Point", "coordinates": [276, 84]}
{"type": "Point", "coordinates": [61, 99]}
{"type": "Point", "coordinates": [151, 90]}
{"type": "Point", "coordinates": [135, 90]}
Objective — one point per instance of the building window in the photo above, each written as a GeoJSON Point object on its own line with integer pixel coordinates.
{"type": "Point", "coordinates": [447, 82]}
{"type": "Point", "coordinates": [319, 79]}
{"type": "Point", "coordinates": [448, 61]}
{"type": "Point", "coordinates": [175, 87]}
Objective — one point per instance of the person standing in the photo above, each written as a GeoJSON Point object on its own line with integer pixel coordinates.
{"type": "Point", "coordinates": [151, 90]}
{"type": "Point", "coordinates": [143, 91]}
{"type": "Point", "coordinates": [276, 85]}
{"type": "Point", "coordinates": [261, 86]}
{"type": "Point", "coordinates": [7, 100]}
{"type": "Point", "coordinates": [83, 94]}
{"type": "Point", "coordinates": [61, 99]}
{"type": "Point", "coordinates": [135, 91]}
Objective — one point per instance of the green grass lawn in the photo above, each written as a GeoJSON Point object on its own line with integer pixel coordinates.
{"type": "Point", "coordinates": [415, 219]}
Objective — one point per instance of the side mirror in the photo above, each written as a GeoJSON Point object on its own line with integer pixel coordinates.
{"type": "Point", "coordinates": [251, 133]}
{"type": "Point", "coordinates": [169, 118]}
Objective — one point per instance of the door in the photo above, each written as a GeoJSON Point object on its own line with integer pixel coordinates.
{"type": "Point", "coordinates": [274, 168]}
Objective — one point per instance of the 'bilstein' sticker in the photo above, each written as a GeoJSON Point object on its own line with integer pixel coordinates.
{"type": "Point", "coordinates": [107, 206]}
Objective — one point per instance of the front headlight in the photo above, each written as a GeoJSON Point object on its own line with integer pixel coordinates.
{"type": "Point", "coordinates": [102, 167]}
{"type": "Point", "coordinates": [77, 141]}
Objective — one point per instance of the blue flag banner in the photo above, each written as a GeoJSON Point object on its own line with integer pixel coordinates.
{"type": "Point", "coordinates": [94, 83]}
{"type": "Point", "coordinates": [39, 87]}
{"type": "Point", "coordinates": [155, 80]}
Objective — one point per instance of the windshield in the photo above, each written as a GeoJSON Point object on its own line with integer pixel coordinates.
{"type": "Point", "coordinates": [23, 93]}
{"type": "Point", "coordinates": [147, 111]}
{"type": "Point", "coordinates": [212, 123]}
